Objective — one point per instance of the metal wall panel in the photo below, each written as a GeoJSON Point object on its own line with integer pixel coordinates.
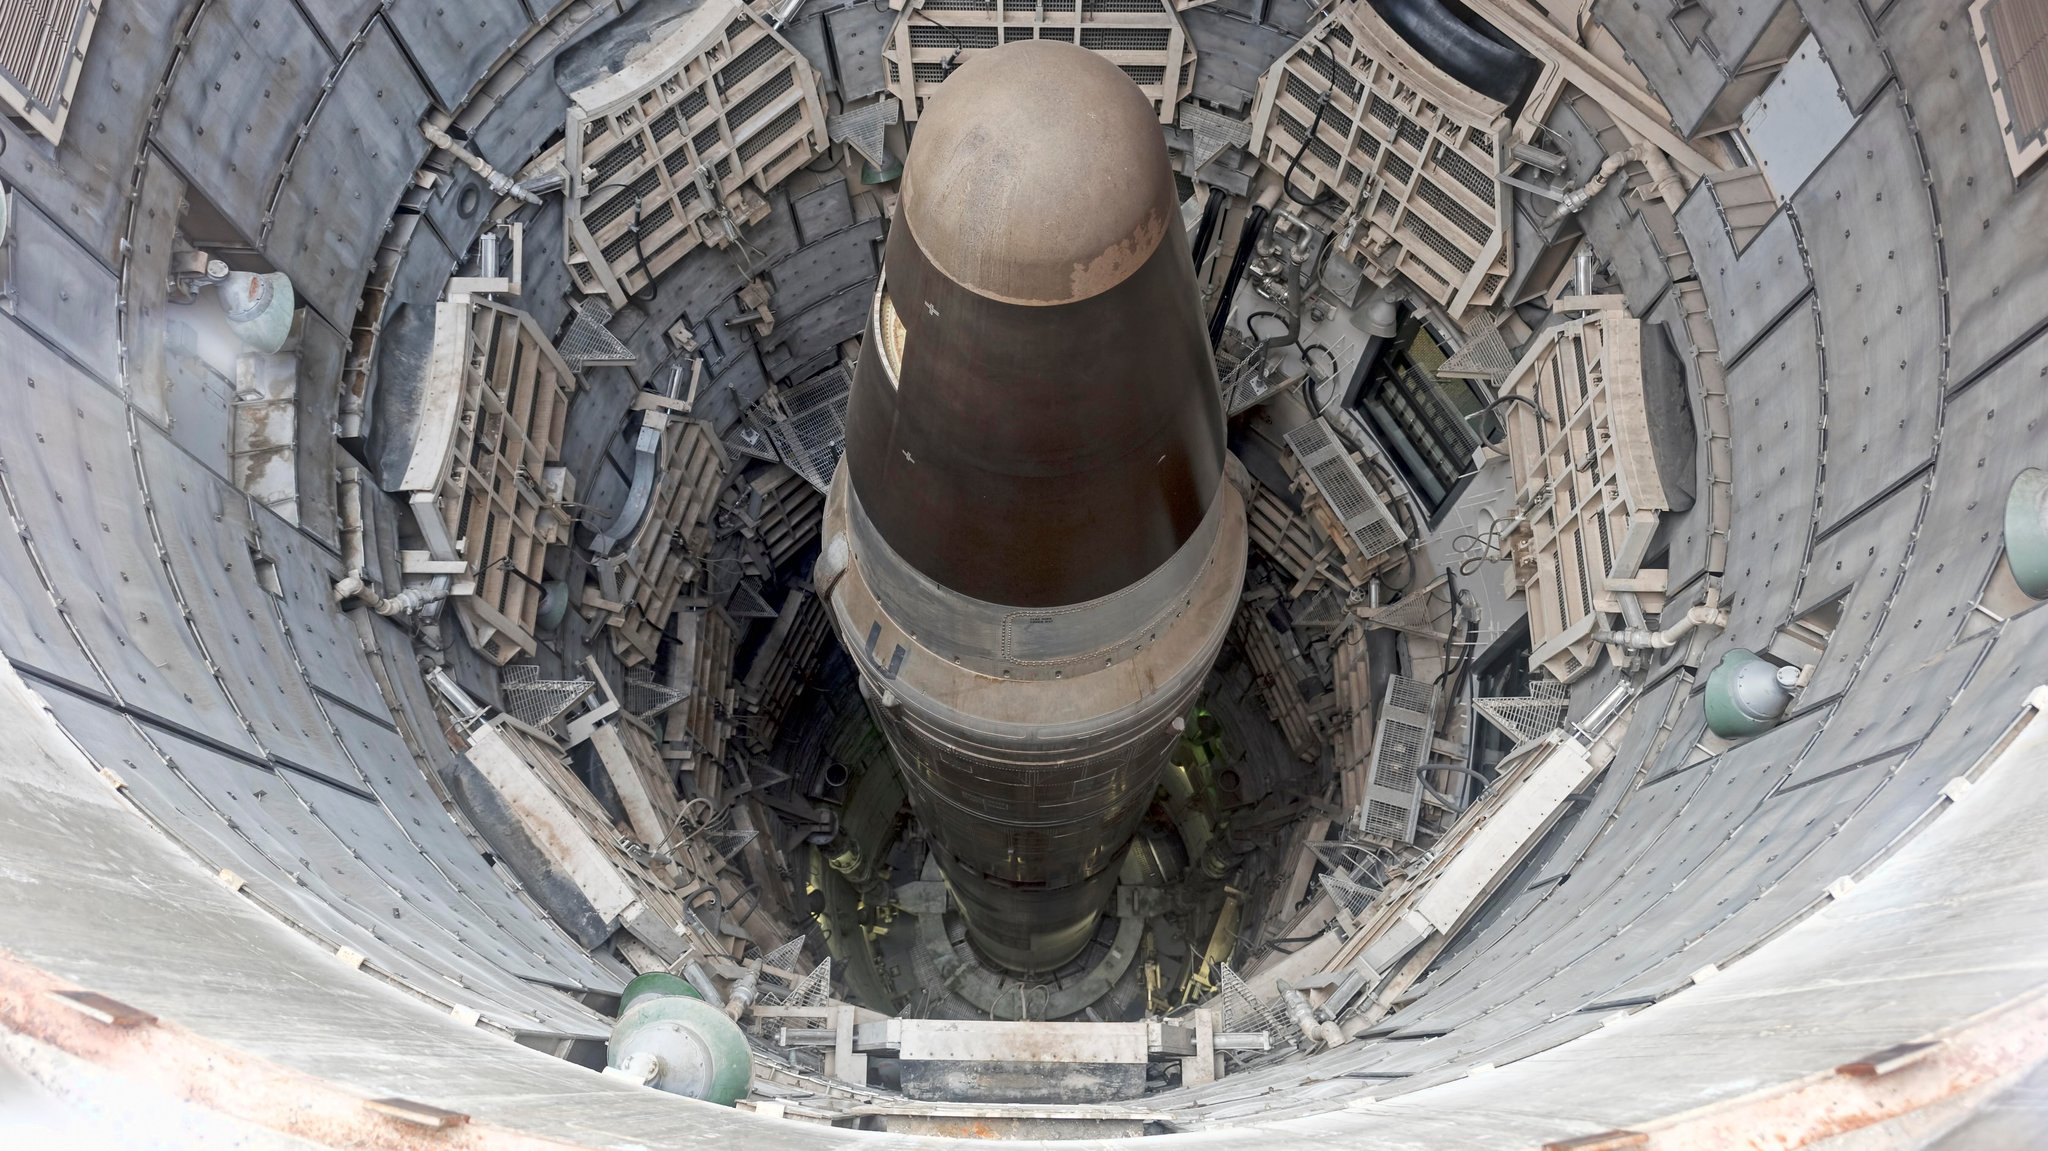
{"type": "Point", "coordinates": [1878, 280]}
{"type": "Point", "coordinates": [1749, 289]}
{"type": "Point", "coordinates": [62, 291]}
{"type": "Point", "coordinates": [131, 43]}
{"type": "Point", "coordinates": [454, 41]}
{"type": "Point", "coordinates": [1991, 225]}
{"type": "Point", "coordinates": [249, 78]}
{"type": "Point", "coordinates": [358, 156]}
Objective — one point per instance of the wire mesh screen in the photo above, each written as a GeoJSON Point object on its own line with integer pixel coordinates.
{"type": "Point", "coordinates": [538, 702]}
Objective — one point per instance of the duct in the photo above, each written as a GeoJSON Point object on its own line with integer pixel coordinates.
{"type": "Point", "coordinates": [1481, 60]}
{"type": "Point", "coordinates": [1247, 242]}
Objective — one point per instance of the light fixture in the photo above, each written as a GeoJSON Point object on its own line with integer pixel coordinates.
{"type": "Point", "coordinates": [6, 249]}
{"type": "Point", "coordinates": [258, 305]}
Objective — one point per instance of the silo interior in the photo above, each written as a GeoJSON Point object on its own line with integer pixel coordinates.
{"type": "Point", "coordinates": [417, 618]}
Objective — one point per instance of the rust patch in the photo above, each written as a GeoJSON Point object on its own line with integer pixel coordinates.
{"type": "Point", "coordinates": [218, 1078]}
{"type": "Point", "coordinates": [1993, 1046]}
{"type": "Point", "coordinates": [1119, 260]}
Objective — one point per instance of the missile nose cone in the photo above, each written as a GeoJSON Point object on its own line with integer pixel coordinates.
{"type": "Point", "coordinates": [1036, 420]}
{"type": "Point", "coordinates": [1039, 175]}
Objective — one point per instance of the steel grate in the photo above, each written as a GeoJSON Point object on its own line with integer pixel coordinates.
{"type": "Point", "coordinates": [1353, 898]}
{"type": "Point", "coordinates": [1125, 39]}
{"type": "Point", "coordinates": [814, 988]}
{"type": "Point", "coordinates": [1458, 168]}
{"type": "Point", "coordinates": [748, 440]}
{"type": "Point", "coordinates": [1243, 1011]}
{"type": "Point", "coordinates": [761, 97]}
{"type": "Point", "coordinates": [1371, 526]}
{"type": "Point", "coordinates": [537, 702]}
{"type": "Point", "coordinates": [588, 341]}
{"type": "Point", "coordinates": [2013, 38]}
{"type": "Point", "coordinates": [42, 48]}
{"type": "Point", "coordinates": [747, 602]}
{"type": "Point", "coordinates": [1451, 210]}
{"type": "Point", "coordinates": [1485, 356]}
{"type": "Point", "coordinates": [1393, 787]}
{"type": "Point", "coordinates": [814, 434]}
{"type": "Point", "coordinates": [1526, 717]}
{"type": "Point", "coordinates": [645, 698]}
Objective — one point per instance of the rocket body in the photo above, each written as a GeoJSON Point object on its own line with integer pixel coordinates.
{"type": "Point", "coordinates": [1030, 551]}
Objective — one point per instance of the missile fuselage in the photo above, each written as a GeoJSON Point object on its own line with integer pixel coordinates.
{"type": "Point", "coordinates": [1030, 549]}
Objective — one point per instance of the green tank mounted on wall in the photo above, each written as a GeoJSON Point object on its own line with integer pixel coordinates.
{"type": "Point", "coordinates": [673, 1041]}
{"type": "Point", "coordinates": [1747, 694]}
{"type": "Point", "coordinates": [2026, 532]}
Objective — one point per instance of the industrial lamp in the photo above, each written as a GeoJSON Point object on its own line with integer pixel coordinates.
{"type": "Point", "coordinates": [258, 305]}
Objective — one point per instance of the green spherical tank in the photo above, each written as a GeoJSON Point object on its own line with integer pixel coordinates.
{"type": "Point", "coordinates": [651, 983]}
{"type": "Point", "coordinates": [682, 1045]}
{"type": "Point", "coordinates": [2026, 532]}
{"type": "Point", "coordinates": [1747, 694]}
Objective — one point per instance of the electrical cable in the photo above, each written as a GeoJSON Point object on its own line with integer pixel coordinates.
{"type": "Point", "coordinates": [1287, 177]}
{"type": "Point", "coordinates": [1517, 397]}
{"type": "Point", "coordinates": [648, 290]}
{"type": "Point", "coordinates": [959, 49]}
{"type": "Point", "coordinates": [1315, 411]}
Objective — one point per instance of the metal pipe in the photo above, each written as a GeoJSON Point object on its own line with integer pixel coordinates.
{"type": "Point", "coordinates": [1247, 241]}
{"type": "Point", "coordinates": [354, 554]}
{"type": "Point", "coordinates": [499, 182]}
{"type": "Point", "coordinates": [1575, 199]}
{"type": "Point", "coordinates": [1643, 639]}
{"type": "Point", "coordinates": [1312, 1029]}
{"type": "Point", "coordinates": [744, 990]}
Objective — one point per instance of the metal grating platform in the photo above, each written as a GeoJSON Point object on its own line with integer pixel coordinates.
{"type": "Point", "coordinates": [1408, 150]}
{"type": "Point", "coordinates": [589, 343]}
{"type": "Point", "coordinates": [1143, 37]}
{"type": "Point", "coordinates": [538, 702]}
{"type": "Point", "coordinates": [681, 149]}
{"type": "Point", "coordinates": [813, 434]}
{"type": "Point", "coordinates": [1526, 717]}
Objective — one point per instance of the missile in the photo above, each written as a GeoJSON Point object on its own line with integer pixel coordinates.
{"type": "Point", "coordinates": [1030, 549]}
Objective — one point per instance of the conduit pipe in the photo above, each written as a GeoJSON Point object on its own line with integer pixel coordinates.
{"type": "Point", "coordinates": [1575, 199]}
{"type": "Point", "coordinates": [1708, 613]}
{"type": "Point", "coordinates": [499, 182]}
{"type": "Point", "coordinates": [1247, 242]}
{"type": "Point", "coordinates": [646, 465]}
{"type": "Point", "coordinates": [356, 585]}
